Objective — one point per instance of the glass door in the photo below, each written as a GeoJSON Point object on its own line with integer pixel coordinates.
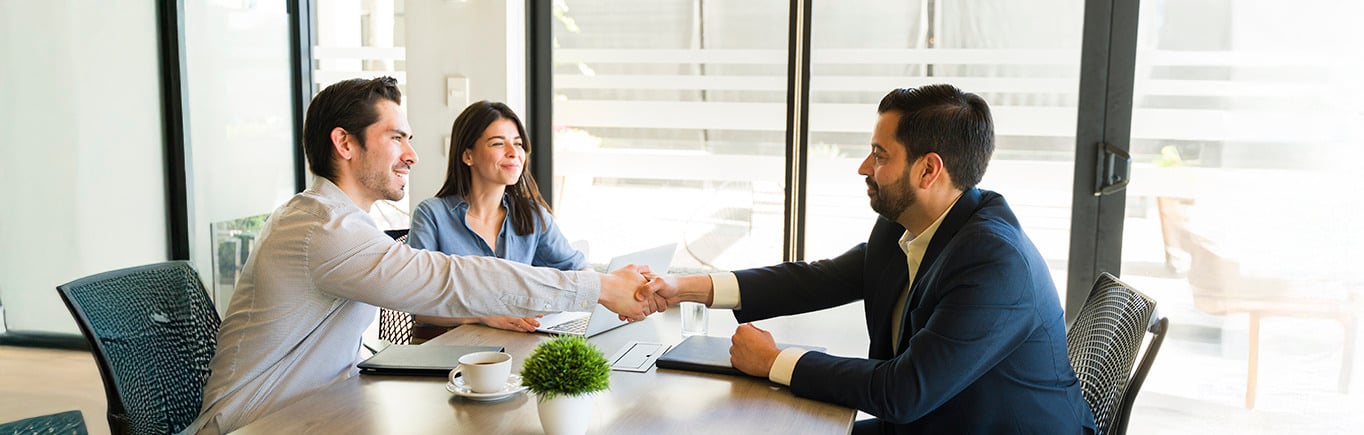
{"type": "Point", "coordinates": [1242, 214]}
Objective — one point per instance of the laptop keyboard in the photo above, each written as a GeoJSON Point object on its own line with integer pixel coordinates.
{"type": "Point", "coordinates": [576, 327]}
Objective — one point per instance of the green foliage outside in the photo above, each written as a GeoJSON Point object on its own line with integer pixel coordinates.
{"type": "Point", "coordinates": [566, 365]}
{"type": "Point", "coordinates": [1169, 157]}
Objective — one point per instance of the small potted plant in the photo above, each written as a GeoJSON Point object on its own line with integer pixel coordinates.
{"type": "Point", "coordinates": [563, 373]}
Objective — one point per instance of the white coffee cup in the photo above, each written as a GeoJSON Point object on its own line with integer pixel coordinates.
{"type": "Point", "coordinates": [484, 372]}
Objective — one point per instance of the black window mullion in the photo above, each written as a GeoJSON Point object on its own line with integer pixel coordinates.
{"type": "Point", "coordinates": [174, 104]}
{"type": "Point", "coordinates": [540, 94]}
{"type": "Point", "coordinates": [302, 23]}
{"type": "Point", "coordinates": [1107, 65]}
{"type": "Point", "coordinates": [797, 129]}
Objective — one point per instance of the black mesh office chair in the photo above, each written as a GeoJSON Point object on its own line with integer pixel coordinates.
{"type": "Point", "coordinates": [395, 326]}
{"type": "Point", "coordinates": [1103, 344]}
{"type": "Point", "coordinates": [153, 332]}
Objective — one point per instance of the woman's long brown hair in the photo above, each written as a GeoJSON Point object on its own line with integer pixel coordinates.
{"type": "Point", "coordinates": [523, 198]}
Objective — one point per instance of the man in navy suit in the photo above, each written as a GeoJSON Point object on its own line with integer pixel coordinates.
{"type": "Point", "coordinates": [967, 332]}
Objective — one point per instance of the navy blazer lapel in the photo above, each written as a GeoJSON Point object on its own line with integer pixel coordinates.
{"type": "Point", "coordinates": [894, 275]}
{"type": "Point", "coordinates": [957, 217]}
{"type": "Point", "coordinates": [886, 276]}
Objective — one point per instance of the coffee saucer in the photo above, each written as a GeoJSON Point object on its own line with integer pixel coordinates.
{"type": "Point", "coordinates": [513, 386]}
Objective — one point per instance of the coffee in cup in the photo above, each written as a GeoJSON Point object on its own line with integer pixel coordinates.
{"type": "Point", "coordinates": [484, 372]}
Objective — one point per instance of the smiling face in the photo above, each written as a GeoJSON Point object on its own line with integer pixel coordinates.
{"type": "Point", "coordinates": [386, 157]}
{"type": "Point", "coordinates": [498, 158]}
{"type": "Point", "coordinates": [887, 170]}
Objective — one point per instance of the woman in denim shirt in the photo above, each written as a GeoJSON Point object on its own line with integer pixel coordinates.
{"type": "Point", "coordinates": [490, 205]}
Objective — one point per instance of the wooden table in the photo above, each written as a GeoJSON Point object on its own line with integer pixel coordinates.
{"type": "Point", "coordinates": [655, 402]}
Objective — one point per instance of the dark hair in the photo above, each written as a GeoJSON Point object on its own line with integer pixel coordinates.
{"type": "Point", "coordinates": [523, 198]}
{"type": "Point", "coordinates": [944, 120]}
{"type": "Point", "coordinates": [350, 105]}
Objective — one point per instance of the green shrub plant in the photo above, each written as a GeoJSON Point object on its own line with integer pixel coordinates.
{"type": "Point", "coordinates": [565, 365]}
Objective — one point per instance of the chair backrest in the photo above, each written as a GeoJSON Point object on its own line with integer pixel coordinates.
{"type": "Point", "coordinates": [68, 423]}
{"type": "Point", "coordinates": [1103, 344]}
{"type": "Point", "coordinates": [399, 235]}
{"type": "Point", "coordinates": [153, 332]}
{"type": "Point", "coordinates": [395, 326]}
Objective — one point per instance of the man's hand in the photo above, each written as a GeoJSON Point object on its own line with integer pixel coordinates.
{"type": "Point", "coordinates": [665, 289]}
{"type": "Point", "coordinates": [512, 323]}
{"type": "Point", "coordinates": [753, 351]}
{"type": "Point", "coordinates": [624, 292]}
{"type": "Point", "coordinates": [647, 292]}
{"type": "Point", "coordinates": [672, 289]}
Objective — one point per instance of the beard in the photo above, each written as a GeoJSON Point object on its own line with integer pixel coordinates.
{"type": "Point", "coordinates": [380, 181]}
{"type": "Point", "coordinates": [891, 201]}
{"type": "Point", "coordinates": [377, 181]}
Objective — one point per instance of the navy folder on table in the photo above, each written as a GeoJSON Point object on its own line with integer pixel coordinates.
{"type": "Point", "coordinates": [707, 354]}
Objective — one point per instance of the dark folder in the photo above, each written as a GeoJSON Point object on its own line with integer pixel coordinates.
{"type": "Point", "coordinates": [425, 360]}
{"type": "Point", "coordinates": [707, 354]}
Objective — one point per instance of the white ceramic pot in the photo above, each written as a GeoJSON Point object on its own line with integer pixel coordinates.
{"type": "Point", "coordinates": [565, 415]}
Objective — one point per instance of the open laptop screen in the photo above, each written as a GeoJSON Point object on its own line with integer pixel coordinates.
{"type": "Point", "coordinates": [658, 259]}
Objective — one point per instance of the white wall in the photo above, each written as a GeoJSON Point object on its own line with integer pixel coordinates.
{"type": "Point", "coordinates": [481, 40]}
{"type": "Point", "coordinates": [81, 156]}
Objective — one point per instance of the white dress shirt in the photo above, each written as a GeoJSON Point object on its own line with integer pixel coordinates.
{"type": "Point", "coordinates": [310, 290]}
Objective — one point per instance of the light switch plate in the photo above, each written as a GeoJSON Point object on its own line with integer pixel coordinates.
{"type": "Point", "coordinates": [457, 92]}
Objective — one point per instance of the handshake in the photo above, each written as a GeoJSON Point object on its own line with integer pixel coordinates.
{"type": "Point", "coordinates": [634, 292]}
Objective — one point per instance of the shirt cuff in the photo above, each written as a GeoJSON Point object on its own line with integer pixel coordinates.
{"type": "Point", "coordinates": [785, 365]}
{"type": "Point", "coordinates": [588, 285]}
{"type": "Point", "coordinates": [724, 290]}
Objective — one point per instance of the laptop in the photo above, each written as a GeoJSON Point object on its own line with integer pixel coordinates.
{"type": "Point", "coordinates": [601, 319]}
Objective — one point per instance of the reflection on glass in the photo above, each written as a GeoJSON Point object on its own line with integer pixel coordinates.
{"type": "Point", "coordinates": [1245, 122]}
{"type": "Point", "coordinates": [669, 127]}
{"type": "Point", "coordinates": [233, 242]}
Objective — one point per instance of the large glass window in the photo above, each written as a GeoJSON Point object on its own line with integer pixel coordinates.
{"type": "Point", "coordinates": [81, 160]}
{"type": "Point", "coordinates": [1241, 213]}
{"type": "Point", "coordinates": [364, 39]}
{"type": "Point", "coordinates": [240, 128]}
{"type": "Point", "coordinates": [669, 120]}
{"type": "Point", "coordinates": [1023, 58]}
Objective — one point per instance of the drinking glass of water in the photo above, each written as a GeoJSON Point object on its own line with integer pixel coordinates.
{"type": "Point", "coordinates": [694, 319]}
